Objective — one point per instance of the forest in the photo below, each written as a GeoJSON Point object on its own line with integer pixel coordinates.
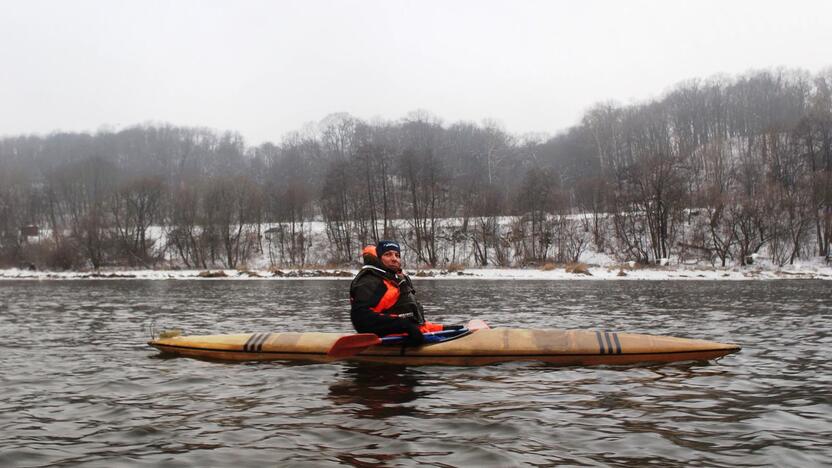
{"type": "Point", "coordinates": [716, 170]}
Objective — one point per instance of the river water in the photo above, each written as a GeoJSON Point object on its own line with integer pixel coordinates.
{"type": "Point", "coordinates": [81, 388]}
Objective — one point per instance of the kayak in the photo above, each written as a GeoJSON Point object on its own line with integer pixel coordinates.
{"type": "Point", "coordinates": [471, 348]}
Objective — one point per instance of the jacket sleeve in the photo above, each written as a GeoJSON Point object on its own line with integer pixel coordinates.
{"type": "Point", "coordinates": [366, 293]}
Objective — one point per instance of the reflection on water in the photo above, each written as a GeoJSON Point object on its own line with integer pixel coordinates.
{"type": "Point", "coordinates": [80, 386]}
{"type": "Point", "coordinates": [377, 391]}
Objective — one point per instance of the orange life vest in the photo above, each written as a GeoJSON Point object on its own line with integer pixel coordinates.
{"type": "Point", "coordinates": [389, 299]}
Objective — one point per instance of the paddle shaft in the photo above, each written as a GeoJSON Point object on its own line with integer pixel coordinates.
{"type": "Point", "coordinates": [351, 345]}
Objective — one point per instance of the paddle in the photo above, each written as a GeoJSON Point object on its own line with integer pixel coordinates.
{"type": "Point", "coordinates": [351, 345]}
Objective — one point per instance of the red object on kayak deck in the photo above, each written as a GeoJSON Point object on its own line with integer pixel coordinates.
{"type": "Point", "coordinates": [353, 344]}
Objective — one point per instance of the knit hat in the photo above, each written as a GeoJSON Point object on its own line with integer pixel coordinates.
{"type": "Point", "coordinates": [385, 245]}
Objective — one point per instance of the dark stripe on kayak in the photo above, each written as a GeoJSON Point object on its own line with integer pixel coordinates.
{"type": "Point", "coordinates": [258, 346]}
{"type": "Point", "coordinates": [253, 342]}
{"type": "Point", "coordinates": [600, 341]}
{"type": "Point", "coordinates": [250, 340]}
{"type": "Point", "coordinates": [609, 341]}
{"type": "Point", "coordinates": [253, 346]}
{"type": "Point", "coordinates": [617, 343]}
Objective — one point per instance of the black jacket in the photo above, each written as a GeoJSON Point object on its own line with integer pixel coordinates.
{"type": "Point", "coordinates": [369, 287]}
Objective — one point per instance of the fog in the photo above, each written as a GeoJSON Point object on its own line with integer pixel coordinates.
{"type": "Point", "coordinates": [266, 68]}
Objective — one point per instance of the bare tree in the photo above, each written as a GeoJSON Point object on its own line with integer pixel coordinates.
{"type": "Point", "coordinates": [135, 208]}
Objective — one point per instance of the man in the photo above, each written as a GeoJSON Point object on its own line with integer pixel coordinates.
{"type": "Point", "coordinates": [383, 299]}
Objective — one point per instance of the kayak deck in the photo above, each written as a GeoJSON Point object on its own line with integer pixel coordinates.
{"type": "Point", "coordinates": [482, 347]}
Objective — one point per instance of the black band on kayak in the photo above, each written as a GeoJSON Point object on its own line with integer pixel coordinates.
{"type": "Point", "coordinates": [605, 342]}
{"type": "Point", "coordinates": [609, 341]}
{"type": "Point", "coordinates": [255, 342]}
{"type": "Point", "coordinates": [600, 342]}
{"type": "Point", "coordinates": [261, 341]}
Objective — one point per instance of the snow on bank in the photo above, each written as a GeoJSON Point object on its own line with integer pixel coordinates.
{"type": "Point", "coordinates": [816, 270]}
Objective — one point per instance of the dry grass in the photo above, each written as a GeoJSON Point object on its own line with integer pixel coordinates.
{"type": "Point", "coordinates": [212, 274]}
{"type": "Point", "coordinates": [549, 266]}
{"type": "Point", "coordinates": [578, 268]}
{"type": "Point", "coordinates": [244, 270]}
{"type": "Point", "coordinates": [455, 267]}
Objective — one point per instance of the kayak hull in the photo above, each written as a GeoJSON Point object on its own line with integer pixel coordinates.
{"type": "Point", "coordinates": [483, 347]}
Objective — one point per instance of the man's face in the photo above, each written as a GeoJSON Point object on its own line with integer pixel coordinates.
{"type": "Point", "coordinates": [392, 260]}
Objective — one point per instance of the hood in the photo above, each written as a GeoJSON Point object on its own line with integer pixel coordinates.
{"type": "Point", "coordinates": [371, 259]}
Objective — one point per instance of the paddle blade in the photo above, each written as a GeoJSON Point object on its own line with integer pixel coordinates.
{"type": "Point", "coordinates": [351, 345]}
{"type": "Point", "coordinates": [477, 324]}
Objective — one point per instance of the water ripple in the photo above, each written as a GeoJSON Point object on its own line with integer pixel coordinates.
{"type": "Point", "coordinates": [80, 387]}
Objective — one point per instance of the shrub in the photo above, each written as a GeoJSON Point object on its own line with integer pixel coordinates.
{"type": "Point", "coordinates": [66, 256]}
{"type": "Point", "coordinates": [578, 268]}
{"type": "Point", "coordinates": [212, 274]}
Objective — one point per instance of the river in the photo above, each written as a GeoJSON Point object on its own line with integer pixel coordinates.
{"type": "Point", "coordinates": [80, 387]}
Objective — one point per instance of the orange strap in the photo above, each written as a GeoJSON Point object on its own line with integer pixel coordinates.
{"type": "Point", "coordinates": [430, 327]}
{"type": "Point", "coordinates": [389, 299]}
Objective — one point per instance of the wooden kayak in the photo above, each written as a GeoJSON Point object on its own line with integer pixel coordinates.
{"type": "Point", "coordinates": [481, 347]}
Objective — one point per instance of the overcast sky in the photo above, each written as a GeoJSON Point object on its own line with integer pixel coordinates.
{"type": "Point", "coordinates": [265, 68]}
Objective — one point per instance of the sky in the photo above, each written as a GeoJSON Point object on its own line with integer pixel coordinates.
{"type": "Point", "coordinates": [267, 68]}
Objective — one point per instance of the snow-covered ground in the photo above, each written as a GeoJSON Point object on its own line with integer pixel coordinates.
{"type": "Point", "coordinates": [808, 270]}
{"type": "Point", "coordinates": [598, 266]}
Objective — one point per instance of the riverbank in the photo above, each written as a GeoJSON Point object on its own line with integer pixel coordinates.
{"type": "Point", "coordinates": [814, 271]}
